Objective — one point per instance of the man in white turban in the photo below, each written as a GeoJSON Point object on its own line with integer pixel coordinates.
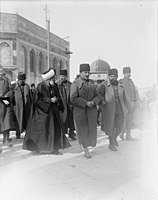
{"type": "Point", "coordinates": [44, 132]}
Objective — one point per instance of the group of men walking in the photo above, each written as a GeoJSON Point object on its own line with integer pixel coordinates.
{"type": "Point", "coordinates": [57, 108]}
{"type": "Point", "coordinates": [15, 104]}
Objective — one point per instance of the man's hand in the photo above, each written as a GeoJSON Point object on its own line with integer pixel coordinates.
{"type": "Point", "coordinates": [53, 99]}
{"type": "Point", "coordinates": [90, 104]}
{"type": "Point", "coordinates": [6, 102]}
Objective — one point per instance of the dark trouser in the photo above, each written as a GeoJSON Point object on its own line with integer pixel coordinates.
{"type": "Point", "coordinates": [71, 123]}
{"type": "Point", "coordinates": [57, 134]}
{"type": "Point", "coordinates": [118, 123]}
{"type": "Point", "coordinates": [5, 136]}
{"type": "Point", "coordinates": [129, 119]}
{"type": "Point", "coordinates": [16, 125]}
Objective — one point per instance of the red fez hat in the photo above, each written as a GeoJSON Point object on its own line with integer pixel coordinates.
{"type": "Point", "coordinates": [113, 71]}
{"type": "Point", "coordinates": [126, 70]}
{"type": "Point", "coordinates": [21, 76]}
{"type": "Point", "coordinates": [84, 67]}
{"type": "Point", "coordinates": [63, 72]}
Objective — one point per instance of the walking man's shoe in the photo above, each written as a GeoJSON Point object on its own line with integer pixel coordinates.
{"type": "Point", "coordinates": [72, 137]}
{"type": "Point", "coordinates": [112, 148]}
{"type": "Point", "coordinates": [129, 138]}
{"type": "Point", "coordinates": [122, 136]}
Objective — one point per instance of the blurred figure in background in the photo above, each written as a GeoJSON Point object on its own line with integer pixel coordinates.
{"type": "Point", "coordinates": [67, 116]}
{"type": "Point", "coordinates": [32, 90]}
{"type": "Point", "coordinates": [130, 121]}
{"type": "Point", "coordinates": [22, 103]}
{"type": "Point", "coordinates": [6, 122]}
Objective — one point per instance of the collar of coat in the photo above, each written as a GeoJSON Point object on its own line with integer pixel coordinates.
{"type": "Point", "coordinates": [107, 83]}
{"type": "Point", "coordinates": [80, 82]}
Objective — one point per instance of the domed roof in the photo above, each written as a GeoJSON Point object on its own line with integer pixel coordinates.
{"type": "Point", "coordinates": [100, 66]}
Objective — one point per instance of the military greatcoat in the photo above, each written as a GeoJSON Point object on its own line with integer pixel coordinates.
{"type": "Point", "coordinates": [85, 118]}
{"type": "Point", "coordinates": [106, 93]}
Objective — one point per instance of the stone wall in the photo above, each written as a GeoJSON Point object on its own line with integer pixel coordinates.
{"type": "Point", "coordinates": [28, 48]}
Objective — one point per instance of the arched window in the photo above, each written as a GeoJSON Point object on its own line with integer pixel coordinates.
{"type": "Point", "coordinates": [23, 59]}
{"type": "Point", "coordinates": [5, 54]}
{"type": "Point", "coordinates": [55, 63]}
{"type": "Point", "coordinates": [61, 65]}
{"type": "Point", "coordinates": [41, 63]}
{"type": "Point", "coordinates": [32, 61]}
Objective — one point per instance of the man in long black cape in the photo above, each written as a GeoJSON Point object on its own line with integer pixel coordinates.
{"type": "Point", "coordinates": [44, 132]}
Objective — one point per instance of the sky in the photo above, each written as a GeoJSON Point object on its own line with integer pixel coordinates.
{"type": "Point", "coordinates": [122, 33]}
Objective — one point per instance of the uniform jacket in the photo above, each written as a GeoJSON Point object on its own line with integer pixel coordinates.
{"type": "Point", "coordinates": [85, 118]}
{"type": "Point", "coordinates": [133, 95]}
{"type": "Point", "coordinates": [106, 94]}
{"type": "Point", "coordinates": [131, 91]}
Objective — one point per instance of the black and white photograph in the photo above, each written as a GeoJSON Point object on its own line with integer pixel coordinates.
{"type": "Point", "coordinates": [78, 99]}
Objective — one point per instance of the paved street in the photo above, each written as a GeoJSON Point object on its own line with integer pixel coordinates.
{"type": "Point", "coordinates": [129, 174]}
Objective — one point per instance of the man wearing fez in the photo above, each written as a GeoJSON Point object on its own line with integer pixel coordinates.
{"type": "Point", "coordinates": [134, 99]}
{"type": "Point", "coordinates": [83, 96]}
{"type": "Point", "coordinates": [114, 107]}
{"type": "Point", "coordinates": [67, 116]}
{"type": "Point", "coordinates": [22, 103]}
{"type": "Point", "coordinates": [44, 132]}
{"type": "Point", "coordinates": [6, 122]}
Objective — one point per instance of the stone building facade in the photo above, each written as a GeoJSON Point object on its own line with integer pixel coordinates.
{"type": "Point", "coordinates": [23, 47]}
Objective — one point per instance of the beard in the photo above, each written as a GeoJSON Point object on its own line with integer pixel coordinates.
{"type": "Point", "coordinates": [114, 82]}
{"type": "Point", "coordinates": [64, 81]}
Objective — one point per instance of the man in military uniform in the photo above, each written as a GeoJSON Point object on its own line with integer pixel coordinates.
{"type": "Point", "coordinates": [84, 97]}
{"type": "Point", "coordinates": [133, 95]}
{"type": "Point", "coordinates": [114, 107]}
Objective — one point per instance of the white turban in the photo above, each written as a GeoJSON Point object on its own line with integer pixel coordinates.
{"type": "Point", "coordinates": [12, 82]}
{"type": "Point", "coordinates": [48, 75]}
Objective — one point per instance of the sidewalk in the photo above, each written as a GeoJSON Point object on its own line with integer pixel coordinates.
{"type": "Point", "coordinates": [129, 174]}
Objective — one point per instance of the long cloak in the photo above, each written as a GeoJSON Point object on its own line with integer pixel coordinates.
{"type": "Point", "coordinates": [43, 131]}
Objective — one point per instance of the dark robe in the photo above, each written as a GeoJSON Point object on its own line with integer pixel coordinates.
{"type": "Point", "coordinates": [44, 131]}
{"type": "Point", "coordinates": [22, 105]}
{"type": "Point", "coordinates": [6, 115]}
{"type": "Point", "coordinates": [67, 117]}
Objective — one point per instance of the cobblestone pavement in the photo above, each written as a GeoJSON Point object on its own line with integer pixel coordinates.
{"type": "Point", "coordinates": [128, 174]}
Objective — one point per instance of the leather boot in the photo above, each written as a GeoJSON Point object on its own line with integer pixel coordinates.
{"type": "Point", "coordinates": [111, 145]}
{"type": "Point", "coordinates": [129, 137]}
{"type": "Point", "coordinates": [122, 136]}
